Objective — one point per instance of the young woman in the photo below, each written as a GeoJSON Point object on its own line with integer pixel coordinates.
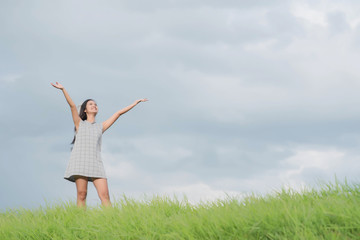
{"type": "Point", "coordinates": [85, 160]}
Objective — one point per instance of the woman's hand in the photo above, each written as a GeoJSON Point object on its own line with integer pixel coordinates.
{"type": "Point", "coordinates": [141, 100]}
{"type": "Point", "coordinates": [58, 86]}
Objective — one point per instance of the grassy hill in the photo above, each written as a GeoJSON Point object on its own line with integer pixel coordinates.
{"type": "Point", "coordinates": [330, 212]}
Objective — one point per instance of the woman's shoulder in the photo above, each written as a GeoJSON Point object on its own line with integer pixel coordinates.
{"type": "Point", "coordinates": [81, 123]}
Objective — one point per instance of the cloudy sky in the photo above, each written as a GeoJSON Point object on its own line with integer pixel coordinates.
{"type": "Point", "coordinates": [244, 96]}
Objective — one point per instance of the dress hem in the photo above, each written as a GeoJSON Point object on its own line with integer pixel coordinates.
{"type": "Point", "coordinates": [90, 178]}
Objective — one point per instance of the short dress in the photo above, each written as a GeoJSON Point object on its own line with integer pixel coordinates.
{"type": "Point", "coordinates": [85, 159]}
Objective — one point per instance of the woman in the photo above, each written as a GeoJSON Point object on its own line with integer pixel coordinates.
{"type": "Point", "coordinates": [85, 160]}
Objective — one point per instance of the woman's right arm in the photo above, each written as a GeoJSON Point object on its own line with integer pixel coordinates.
{"type": "Point", "coordinates": [74, 112]}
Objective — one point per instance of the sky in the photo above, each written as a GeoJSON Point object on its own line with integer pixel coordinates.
{"type": "Point", "coordinates": [244, 96]}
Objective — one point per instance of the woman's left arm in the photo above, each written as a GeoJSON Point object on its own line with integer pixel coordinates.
{"type": "Point", "coordinates": [114, 117]}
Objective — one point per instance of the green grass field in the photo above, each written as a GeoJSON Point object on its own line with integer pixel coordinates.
{"type": "Point", "coordinates": [330, 212]}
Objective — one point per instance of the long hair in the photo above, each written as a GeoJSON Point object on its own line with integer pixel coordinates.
{"type": "Point", "coordinates": [82, 115]}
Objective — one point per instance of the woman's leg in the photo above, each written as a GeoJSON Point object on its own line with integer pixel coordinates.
{"type": "Point", "coordinates": [102, 190]}
{"type": "Point", "coordinates": [81, 188]}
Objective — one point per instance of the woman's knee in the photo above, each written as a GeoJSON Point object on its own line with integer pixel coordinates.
{"type": "Point", "coordinates": [104, 195]}
{"type": "Point", "coordinates": [82, 194]}
{"type": "Point", "coordinates": [81, 187]}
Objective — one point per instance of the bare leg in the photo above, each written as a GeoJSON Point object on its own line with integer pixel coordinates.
{"type": "Point", "coordinates": [102, 190]}
{"type": "Point", "coordinates": [81, 188]}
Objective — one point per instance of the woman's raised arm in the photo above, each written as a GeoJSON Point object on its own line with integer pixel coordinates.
{"type": "Point", "coordinates": [74, 112]}
{"type": "Point", "coordinates": [114, 117]}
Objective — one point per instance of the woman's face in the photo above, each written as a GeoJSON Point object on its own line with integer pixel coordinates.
{"type": "Point", "coordinates": [91, 107]}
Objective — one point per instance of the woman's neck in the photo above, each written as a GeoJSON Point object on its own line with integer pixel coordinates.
{"type": "Point", "coordinates": [90, 118]}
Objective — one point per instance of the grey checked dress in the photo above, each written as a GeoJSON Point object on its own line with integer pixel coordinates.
{"type": "Point", "coordinates": [85, 158]}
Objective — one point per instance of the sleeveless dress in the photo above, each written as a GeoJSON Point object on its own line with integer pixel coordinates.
{"type": "Point", "coordinates": [85, 159]}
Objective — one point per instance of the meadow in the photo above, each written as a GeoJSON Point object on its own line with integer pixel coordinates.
{"type": "Point", "coordinates": [329, 211]}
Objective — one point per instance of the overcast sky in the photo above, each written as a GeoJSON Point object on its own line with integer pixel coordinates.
{"type": "Point", "coordinates": [244, 96]}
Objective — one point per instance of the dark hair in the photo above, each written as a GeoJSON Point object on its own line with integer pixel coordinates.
{"type": "Point", "coordinates": [82, 115]}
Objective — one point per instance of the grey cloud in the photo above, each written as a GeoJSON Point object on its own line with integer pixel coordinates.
{"type": "Point", "coordinates": [234, 88]}
{"type": "Point", "coordinates": [337, 22]}
{"type": "Point", "coordinates": [246, 4]}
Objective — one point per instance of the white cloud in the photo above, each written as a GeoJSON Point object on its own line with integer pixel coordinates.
{"type": "Point", "coordinates": [301, 170]}
{"type": "Point", "coordinates": [315, 12]}
{"type": "Point", "coordinates": [199, 192]}
{"type": "Point", "coordinates": [116, 168]}
{"type": "Point", "coordinates": [310, 14]}
{"type": "Point", "coordinates": [328, 160]}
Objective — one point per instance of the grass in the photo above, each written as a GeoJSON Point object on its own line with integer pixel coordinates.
{"type": "Point", "coordinates": [332, 211]}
